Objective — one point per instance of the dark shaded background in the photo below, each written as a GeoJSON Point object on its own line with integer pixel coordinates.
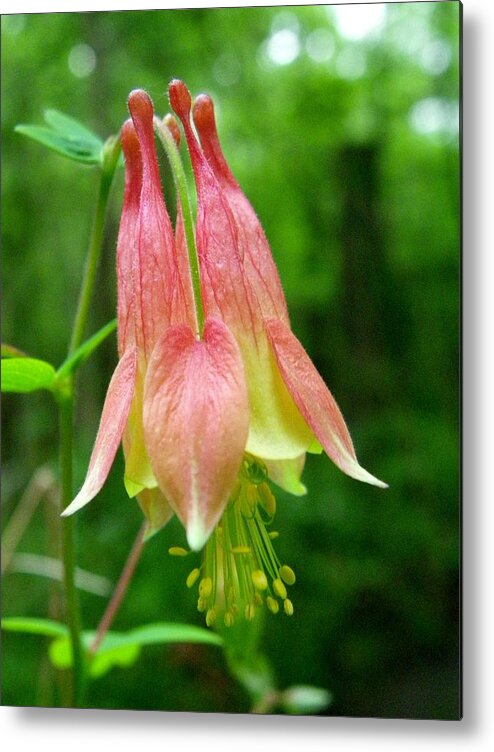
{"type": "Point", "coordinates": [348, 149]}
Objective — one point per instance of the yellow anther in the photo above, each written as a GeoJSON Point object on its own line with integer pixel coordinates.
{"type": "Point", "coordinates": [287, 574]}
{"type": "Point", "coordinates": [258, 599]}
{"type": "Point", "coordinates": [228, 619]}
{"type": "Point", "coordinates": [201, 604]}
{"type": "Point", "coordinates": [288, 607]}
{"type": "Point", "coordinates": [272, 604]}
{"type": "Point", "coordinates": [206, 587]}
{"type": "Point", "coordinates": [279, 588]}
{"type": "Point", "coordinates": [273, 534]}
{"type": "Point", "coordinates": [259, 579]}
{"type": "Point", "coordinates": [234, 609]}
{"type": "Point", "coordinates": [250, 611]}
{"type": "Point", "coordinates": [192, 578]}
{"type": "Point", "coordinates": [267, 499]}
{"type": "Point", "coordinates": [177, 551]}
{"type": "Point", "coordinates": [211, 617]}
{"type": "Point", "coordinates": [241, 550]}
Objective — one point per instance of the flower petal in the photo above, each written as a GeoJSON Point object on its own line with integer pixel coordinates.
{"type": "Point", "coordinates": [277, 431]}
{"type": "Point", "coordinates": [286, 474]}
{"type": "Point", "coordinates": [156, 510]}
{"type": "Point", "coordinates": [196, 418]}
{"type": "Point", "coordinates": [111, 427]}
{"type": "Point", "coordinates": [138, 472]}
{"type": "Point", "coordinates": [315, 401]}
{"type": "Point", "coordinates": [158, 293]}
{"type": "Point", "coordinates": [224, 288]}
{"type": "Point", "coordinates": [253, 246]}
{"type": "Point", "coordinates": [126, 244]}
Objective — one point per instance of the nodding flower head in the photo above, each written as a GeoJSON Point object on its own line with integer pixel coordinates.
{"type": "Point", "coordinates": [213, 396]}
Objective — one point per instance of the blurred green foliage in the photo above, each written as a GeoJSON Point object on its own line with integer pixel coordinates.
{"type": "Point", "coordinates": [347, 145]}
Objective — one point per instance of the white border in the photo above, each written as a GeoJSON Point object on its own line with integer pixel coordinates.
{"type": "Point", "coordinates": [53, 6]}
{"type": "Point", "coordinates": [55, 730]}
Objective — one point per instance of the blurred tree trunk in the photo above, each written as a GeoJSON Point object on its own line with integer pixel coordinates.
{"type": "Point", "coordinates": [371, 307]}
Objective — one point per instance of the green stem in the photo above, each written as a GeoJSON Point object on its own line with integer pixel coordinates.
{"type": "Point", "coordinates": [92, 261]}
{"type": "Point", "coordinates": [180, 181]}
{"type": "Point", "coordinates": [65, 398]}
{"type": "Point", "coordinates": [68, 549]}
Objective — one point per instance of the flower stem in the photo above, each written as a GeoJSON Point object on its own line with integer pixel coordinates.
{"type": "Point", "coordinates": [94, 252]}
{"type": "Point", "coordinates": [68, 549]}
{"type": "Point", "coordinates": [122, 584]}
{"type": "Point", "coordinates": [65, 397]}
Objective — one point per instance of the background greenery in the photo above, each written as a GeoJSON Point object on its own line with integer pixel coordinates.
{"type": "Point", "coordinates": [347, 145]}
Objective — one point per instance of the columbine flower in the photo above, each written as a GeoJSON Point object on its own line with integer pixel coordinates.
{"type": "Point", "coordinates": [208, 412]}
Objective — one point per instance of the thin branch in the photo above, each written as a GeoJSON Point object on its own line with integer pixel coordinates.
{"type": "Point", "coordinates": [122, 584]}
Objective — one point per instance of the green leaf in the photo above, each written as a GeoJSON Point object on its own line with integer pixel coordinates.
{"type": "Point", "coordinates": [123, 648]}
{"type": "Point", "coordinates": [66, 136]}
{"type": "Point", "coordinates": [84, 351]}
{"type": "Point", "coordinates": [162, 632]}
{"type": "Point", "coordinates": [26, 375]}
{"type": "Point", "coordinates": [33, 625]}
{"type": "Point", "coordinates": [79, 151]}
{"type": "Point", "coordinates": [117, 648]}
{"type": "Point", "coordinates": [70, 128]}
{"type": "Point", "coordinates": [114, 651]}
{"type": "Point", "coordinates": [123, 656]}
{"type": "Point", "coordinates": [305, 700]}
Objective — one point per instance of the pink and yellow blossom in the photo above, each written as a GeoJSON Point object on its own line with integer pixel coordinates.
{"type": "Point", "coordinates": [211, 398]}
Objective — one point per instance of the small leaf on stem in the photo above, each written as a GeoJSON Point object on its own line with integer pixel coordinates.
{"type": "Point", "coordinates": [26, 375]}
{"type": "Point", "coordinates": [66, 136]}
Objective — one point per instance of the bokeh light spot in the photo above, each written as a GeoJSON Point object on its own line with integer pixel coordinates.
{"type": "Point", "coordinates": [351, 63]}
{"type": "Point", "coordinates": [435, 115]}
{"type": "Point", "coordinates": [320, 45]}
{"type": "Point", "coordinates": [227, 69]}
{"type": "Point", "coordinates": [82, 60]}
{"type": "Point", "coordinates": [283, 47]}
{"type": "Point", "coordinates": [359, 21]}
{"type": "Point", "coordinates": [435, 57]}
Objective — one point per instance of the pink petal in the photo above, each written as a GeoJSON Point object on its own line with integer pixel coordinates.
{"type": "Point", "coordinates": [111, 427]}
{"type": "Point", "coordinates": [254, 249]}
{"type": "Point", "coordinates": [315, 401]}
{"type": "Point", "coordinates": [277, 430]}
{"type": "Point", "coordinates": [196, 417]}
{"type": "Point", "coordinates": [126, 244]}
{"type": "Point", "coordinates": [225, 289]}
{"type": "Point", "coordinates": [159, 295]}
{"type": "Point", "coordinates": [183, 266]}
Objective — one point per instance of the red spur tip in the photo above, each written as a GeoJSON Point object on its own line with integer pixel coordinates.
{"type": "Point", "coordinates": [180, 98]}
{"type": "Point", "coordinates": [203, 112]}
{"type": "Point", "coordinates": [140, 104]}
{"type": "Point", "coordinates": [170, 122]}
{"type": "Point", "coordinates": [128, 137]}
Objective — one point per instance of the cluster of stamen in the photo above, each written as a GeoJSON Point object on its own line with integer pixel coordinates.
{"type": "Point", "coordinates": [240, 571]}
